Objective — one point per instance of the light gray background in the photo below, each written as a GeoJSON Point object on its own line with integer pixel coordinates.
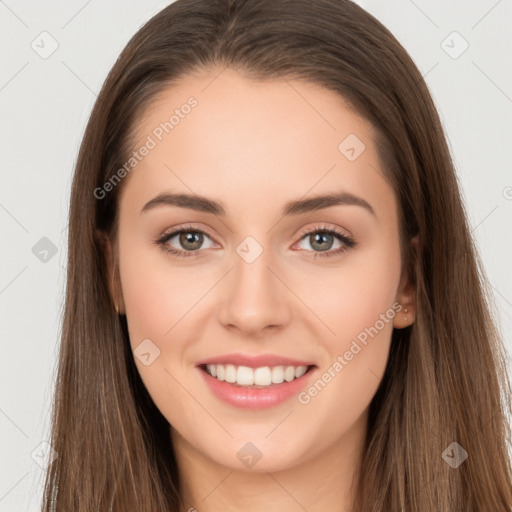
{"type": "Point", "coordinates": [45, 104]}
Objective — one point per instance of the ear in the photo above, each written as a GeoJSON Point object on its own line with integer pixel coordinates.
{"type": "Point", "coordinates": [112, 271]}
{"type": "Point", "coordinates": [406, 295]}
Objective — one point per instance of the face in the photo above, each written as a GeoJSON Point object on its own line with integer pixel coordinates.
{"type": "Point", "coordinates": [252, 274]}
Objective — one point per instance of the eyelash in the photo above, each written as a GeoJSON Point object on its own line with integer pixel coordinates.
{"type": "Point", "coordinates": [348, 242]}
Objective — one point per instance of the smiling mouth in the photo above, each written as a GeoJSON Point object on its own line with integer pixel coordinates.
{"type": "Point", "coordinates": [256, 378]}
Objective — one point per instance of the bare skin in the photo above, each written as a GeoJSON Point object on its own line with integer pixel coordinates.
{"type": "Point", "coordinates": [254, 147]}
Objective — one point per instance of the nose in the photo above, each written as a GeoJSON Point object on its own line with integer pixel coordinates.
{"type": "Point", "coordinates": [254, 298]}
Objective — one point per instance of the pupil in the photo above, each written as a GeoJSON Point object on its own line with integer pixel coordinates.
{"type": "Point", "coordinates": [194, 238]}
{"type": "Point", "coordinates": [191, 237]}
{"type": "Point", "coordinates": [319, 238]}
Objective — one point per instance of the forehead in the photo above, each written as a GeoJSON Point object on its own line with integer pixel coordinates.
{"type": "Point", "coordinates": [244, 138]}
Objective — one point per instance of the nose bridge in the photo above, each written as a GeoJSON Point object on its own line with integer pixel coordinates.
{"type": "Point", "coordinates": [255, 298]}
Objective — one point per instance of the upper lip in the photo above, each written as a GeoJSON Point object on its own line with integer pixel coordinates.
{"type": "Point", "coordinates": [255, 361]}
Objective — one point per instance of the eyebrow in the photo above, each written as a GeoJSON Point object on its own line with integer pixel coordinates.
{"type": "Point", "coordinates": [297, 207]}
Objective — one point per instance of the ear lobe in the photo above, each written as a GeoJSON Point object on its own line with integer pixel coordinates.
{"type": "Point", "coordinates": [406, 293]}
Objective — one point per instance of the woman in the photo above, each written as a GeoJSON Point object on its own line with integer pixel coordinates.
{"type": "Point", "coordinates": [273, 299]}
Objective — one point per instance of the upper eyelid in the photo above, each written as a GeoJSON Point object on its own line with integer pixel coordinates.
{"type": "Point", "coordinates": [305, 231]}
{"type": "Point", "coordinates": [176, 231]}
{"type": "Point", "coordinates": [337, 232]}
{"type": "Point", "coordinates": [314, 229]}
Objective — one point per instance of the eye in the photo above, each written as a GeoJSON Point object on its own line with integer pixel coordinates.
{"type": "Point", "coordinates": [321, 239]}
{"type": "Point", "coordinates": [188, 237]}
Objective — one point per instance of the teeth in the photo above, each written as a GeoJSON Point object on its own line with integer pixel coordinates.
{"type": "Point", "coordinates": [244, 375]}
{"type": "Point", "coordinates": [278, 374]}
{"type": "Point", "coordinates": [230, 373]}
{"type": "Point", "coordinates": [263, 376]}
{"type": "Point", "coordinates": [300, 371]}
{"type": "Point", "coordinates": [289, 373]}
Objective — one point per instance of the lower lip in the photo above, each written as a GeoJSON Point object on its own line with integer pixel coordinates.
{"type": "Point", "coordinates": [255, 398]}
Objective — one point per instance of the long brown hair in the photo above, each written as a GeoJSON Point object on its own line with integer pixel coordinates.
{"type": "Point", "coordinates": [446, 378]}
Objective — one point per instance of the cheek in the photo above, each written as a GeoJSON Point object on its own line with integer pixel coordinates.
{"type": "Point", "coordinates": [358, 308]}
{"type": "Point", "coordinates": [356, 356]}
{"type": "Point", "coordinates": [352, 298]}
{"type": "Point", "coordinates": [156, 295]}
{"type": "Point", "coordinates": [162, 303]}
{"type": "Point", "coordinates": [156, 299]}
